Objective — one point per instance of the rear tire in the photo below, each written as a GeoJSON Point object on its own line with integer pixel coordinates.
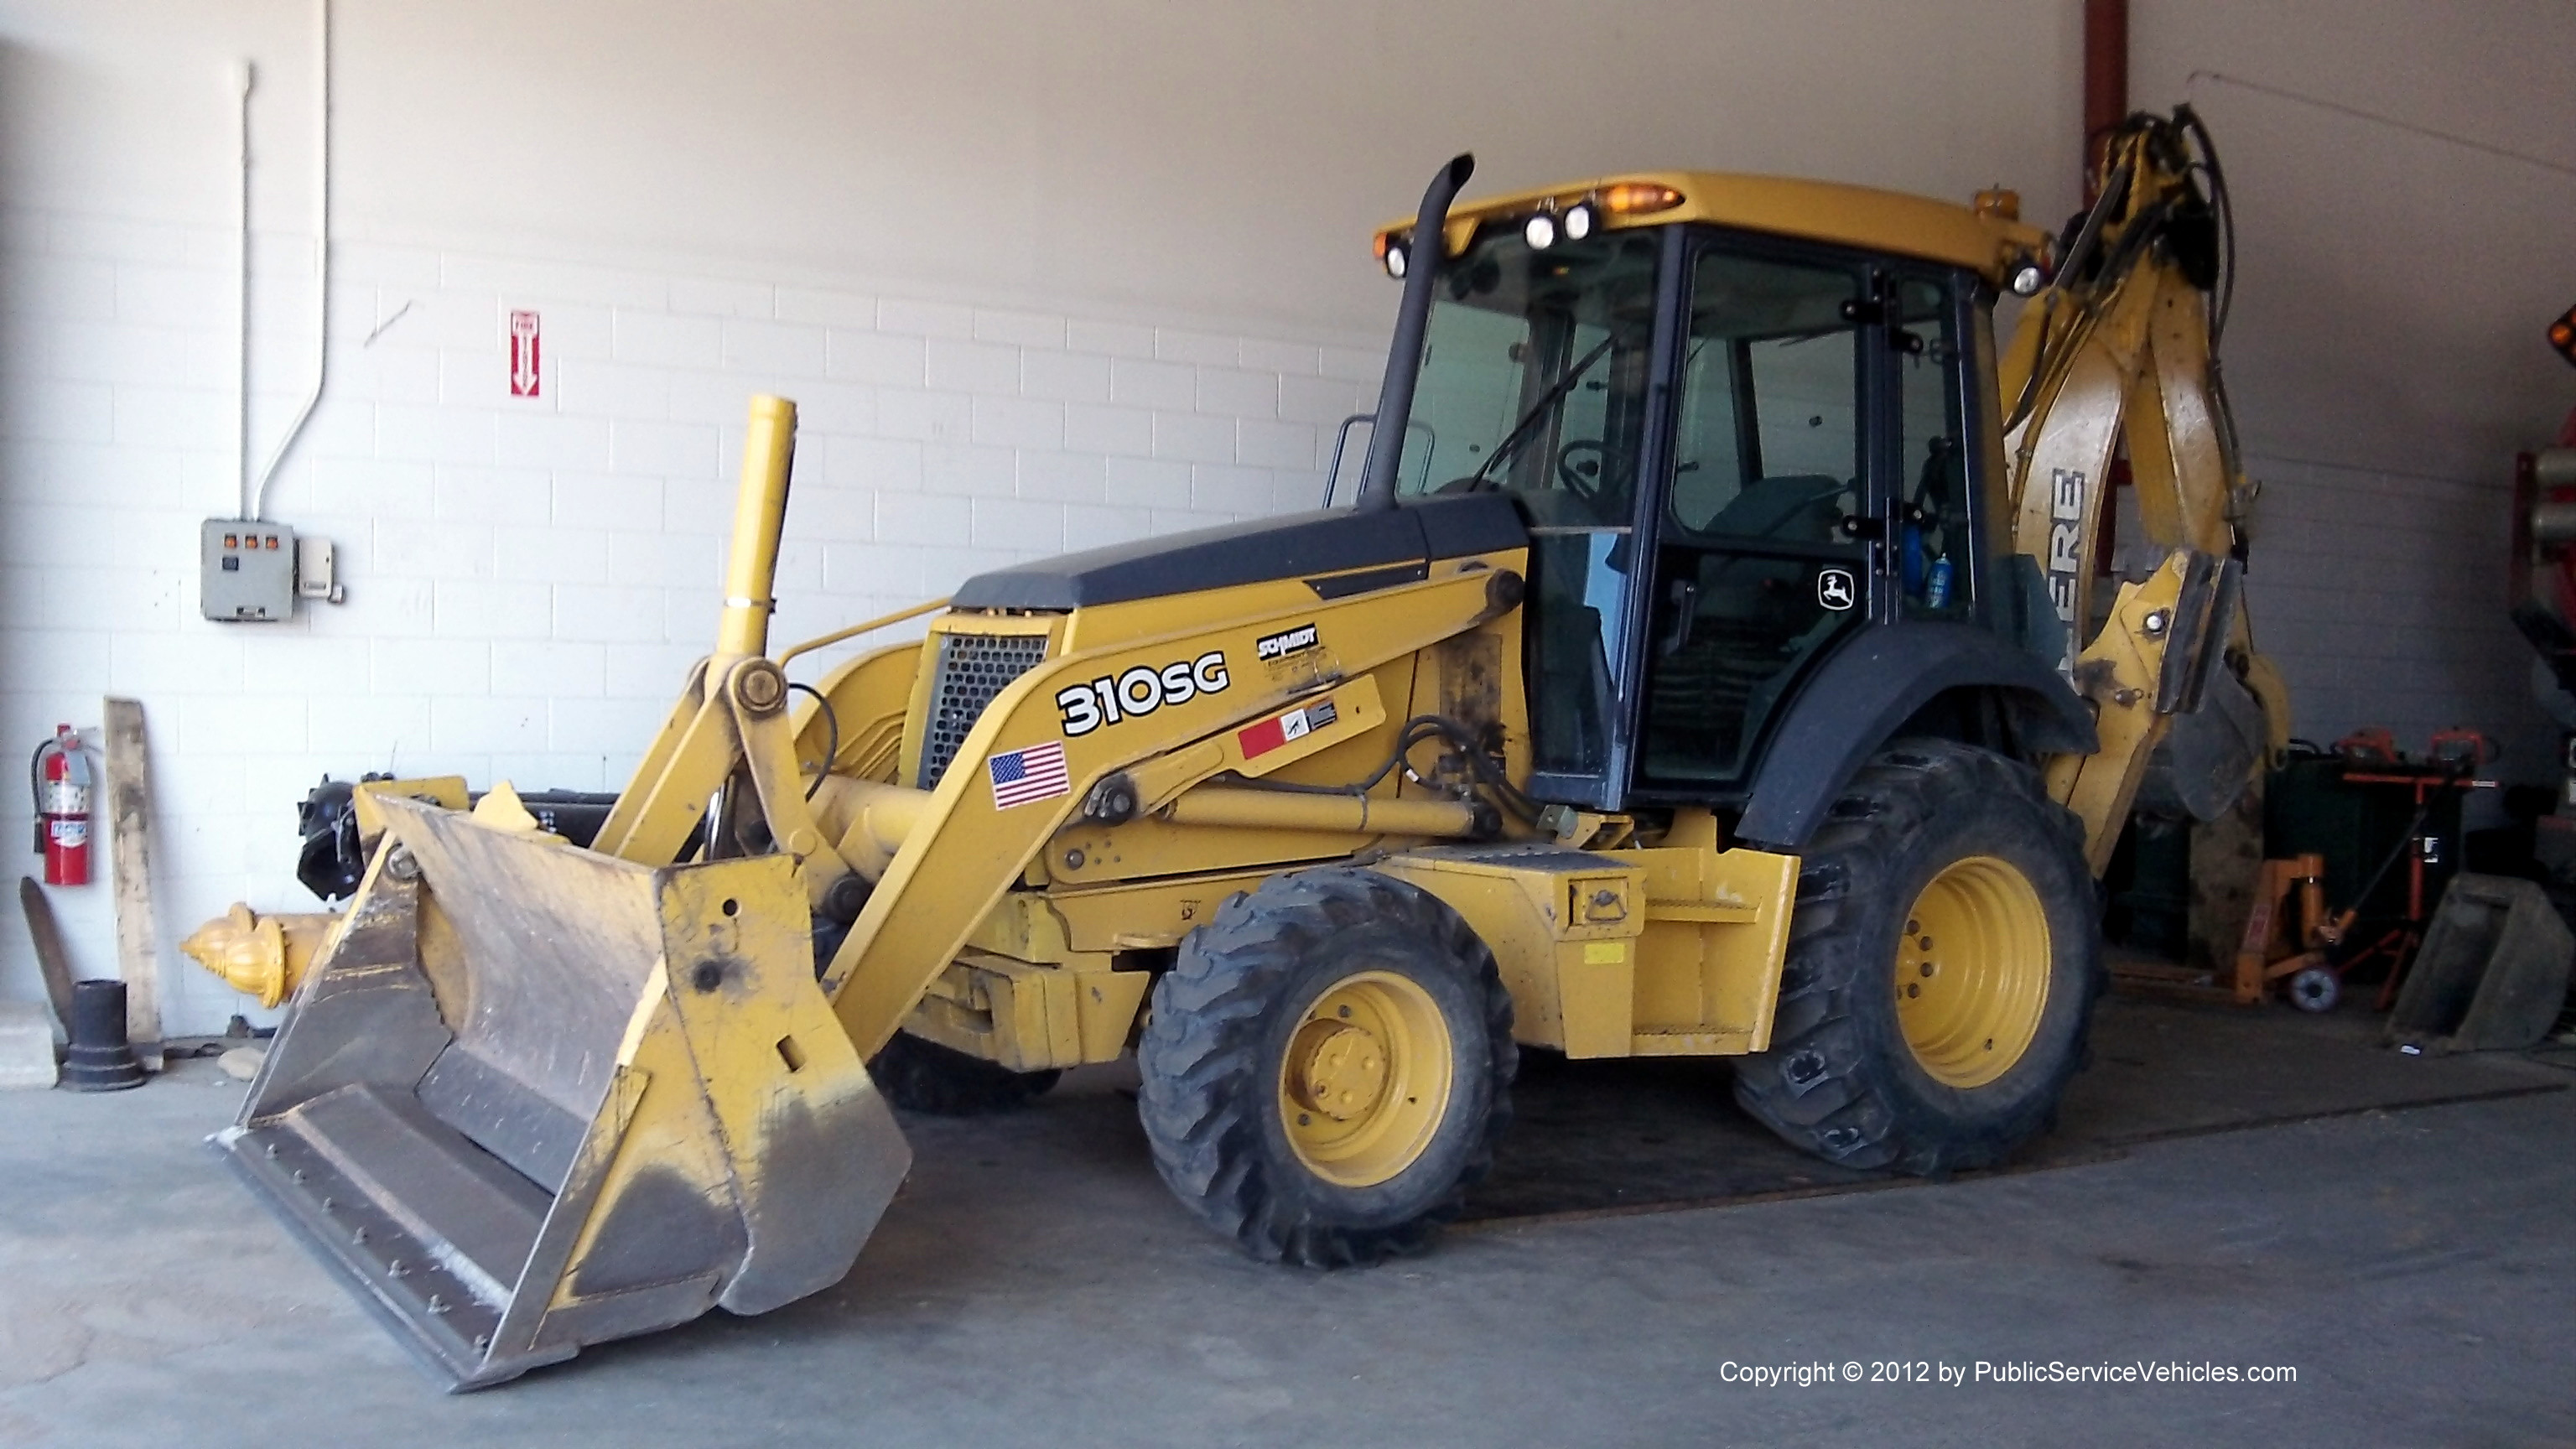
{"type": "Point", "coordinates": [922, 1076]}
{"type": "Point", "coordinates": [1328, 1068]}
{"type": "Point", "coordinates": [1942, 869]}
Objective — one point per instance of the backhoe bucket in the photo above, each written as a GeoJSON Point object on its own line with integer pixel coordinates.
{"type": "Point", "coordinates": [2492, 972]}
{"type": "Point", "coordinates": [536, 1097]}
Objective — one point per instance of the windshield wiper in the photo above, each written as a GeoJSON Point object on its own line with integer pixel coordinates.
{"type": "Point", "coordinates": [1547, 401]}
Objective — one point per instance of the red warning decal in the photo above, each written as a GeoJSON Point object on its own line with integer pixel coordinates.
{"type": "Point", "coordinates": [1263, 736]}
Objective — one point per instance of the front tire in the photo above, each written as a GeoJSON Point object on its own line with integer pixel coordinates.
{"type": "Point", "coordinates": [1328, 1068]}
{"type": "Point", "coordinates": [1944, 956]}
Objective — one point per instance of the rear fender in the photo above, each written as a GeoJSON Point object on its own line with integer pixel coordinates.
{"type": "Point", "coordinates": [1865, 693]}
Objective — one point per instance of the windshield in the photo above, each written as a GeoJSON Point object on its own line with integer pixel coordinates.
{"type": "Point", "coordinates": [1534, 377]}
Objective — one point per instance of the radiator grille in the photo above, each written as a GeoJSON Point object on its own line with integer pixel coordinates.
{"type": "Point", "coordinates": [972, 668]}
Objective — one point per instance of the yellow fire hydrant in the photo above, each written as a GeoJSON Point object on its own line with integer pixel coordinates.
{"type": "Point", "coordinates": [263, 956]}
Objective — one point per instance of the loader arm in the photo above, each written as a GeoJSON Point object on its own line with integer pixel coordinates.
{"type": "Point", "coordinates": [939, 860]}
{"type": "Point", "coordinates": [2118, 357]}
{"type": "Point", "coordinates": [732, 729]}
{"type": "Point", "coordinates": [966, 847]}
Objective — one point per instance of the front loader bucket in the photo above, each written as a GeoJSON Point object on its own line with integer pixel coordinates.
{"type": "Point", "coordinates": [536, 1097]}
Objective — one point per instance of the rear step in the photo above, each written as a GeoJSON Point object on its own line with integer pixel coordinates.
{"type": "Point", "coordinates": [486, 1112]}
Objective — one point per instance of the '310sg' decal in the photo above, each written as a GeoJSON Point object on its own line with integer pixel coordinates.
{"type": "Point", "coordinates": [1139, 691]}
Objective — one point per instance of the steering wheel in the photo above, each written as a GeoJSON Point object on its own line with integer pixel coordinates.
{"type": "Point", "coordinates": [1569, 469]}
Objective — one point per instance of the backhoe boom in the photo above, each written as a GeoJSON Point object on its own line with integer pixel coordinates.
{"type": "Point", "coordinates": [2114, 365]}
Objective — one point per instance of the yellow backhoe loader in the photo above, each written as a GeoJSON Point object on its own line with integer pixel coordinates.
{"type": "Point", "coordinates": [1707, 663]}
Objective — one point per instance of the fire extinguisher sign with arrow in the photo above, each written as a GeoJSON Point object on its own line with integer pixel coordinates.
{"type": "Point", "coordinates": [527, 369]}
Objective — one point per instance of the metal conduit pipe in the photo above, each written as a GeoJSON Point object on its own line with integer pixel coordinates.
{"type": "Point", "coordinates": [242, 81]}
{"type": "Point", "coordinates": [255, 495]}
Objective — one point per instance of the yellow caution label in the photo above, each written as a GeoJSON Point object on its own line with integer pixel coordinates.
{"type": "Point", "coordinates": [1604, 953]}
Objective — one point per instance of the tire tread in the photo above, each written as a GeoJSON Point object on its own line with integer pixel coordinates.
{"type": "Point", "coordinates": [1203, 1078]}
{"type": "Point", "coordinates": [1820, 1086]}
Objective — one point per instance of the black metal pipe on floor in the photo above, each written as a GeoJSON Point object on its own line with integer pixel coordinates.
{"type": "Point", "coordinates": [100, 1058]}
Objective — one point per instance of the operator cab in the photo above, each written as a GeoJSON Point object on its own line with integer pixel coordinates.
{"type": "Point", "coordinates": [1735, 450]}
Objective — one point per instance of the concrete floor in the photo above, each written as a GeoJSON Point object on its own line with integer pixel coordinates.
{"type": "Point", "coordinates": [1034, 1286]}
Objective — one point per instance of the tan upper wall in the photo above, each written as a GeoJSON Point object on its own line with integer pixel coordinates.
{"type": "Point", "coordinates": [2398, 273]}
{"type": "Point", "coordinates": [1226, 160]}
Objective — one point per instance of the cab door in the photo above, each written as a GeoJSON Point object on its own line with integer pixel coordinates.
{"type": "Point", "coordinates": [1771, 544]}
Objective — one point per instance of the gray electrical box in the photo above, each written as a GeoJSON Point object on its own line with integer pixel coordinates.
{"type": "Point", "coordinates": [246, 571]}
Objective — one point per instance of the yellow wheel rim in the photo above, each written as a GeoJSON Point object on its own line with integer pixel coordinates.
{"type": "Point", "coordinates": [1972, 972]}
{"type": "Point", "coordinates": [1366, 1079]}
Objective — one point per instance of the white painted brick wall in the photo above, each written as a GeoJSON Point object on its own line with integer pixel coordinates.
{"type": "Point", "coordinates": [529, 579]}
{"type": "Point", "coordinates": [2382, 598]}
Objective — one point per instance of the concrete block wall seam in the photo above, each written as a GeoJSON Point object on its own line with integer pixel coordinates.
{"type": "Point", "coordinates": [530, 578]}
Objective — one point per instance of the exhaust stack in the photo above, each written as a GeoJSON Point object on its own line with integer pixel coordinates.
{"type": "Point", "coordinates": [1412, 321]}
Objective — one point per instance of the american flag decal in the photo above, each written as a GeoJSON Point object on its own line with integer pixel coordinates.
{"type": "Point", "coordinates": [1022, 776]}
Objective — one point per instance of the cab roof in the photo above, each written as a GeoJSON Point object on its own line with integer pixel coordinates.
{"type": "Point", "coordinates": [1988, 241]}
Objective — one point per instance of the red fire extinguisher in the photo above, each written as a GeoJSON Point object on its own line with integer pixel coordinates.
{"type": "Point", "coordinates": [60, 776]}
